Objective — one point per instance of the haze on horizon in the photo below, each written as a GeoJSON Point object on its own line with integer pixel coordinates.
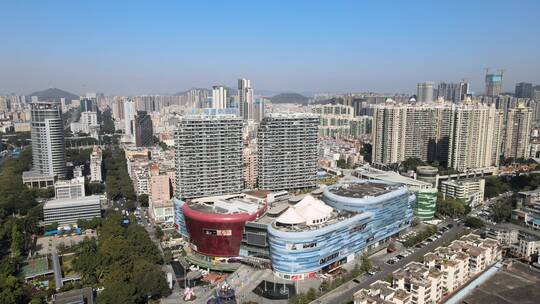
{"type": "Point", "coordinates": [132, 47]}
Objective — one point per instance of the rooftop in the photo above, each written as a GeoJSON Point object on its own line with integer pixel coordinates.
{"type": "Point", "coordinates": [360, 190]}
{"type": "Point", "coordinates": [227, 204]}
{"type": "Point", "coordinates": [389, 176]}
{"type": "Point", "coordinates": [72, 202]}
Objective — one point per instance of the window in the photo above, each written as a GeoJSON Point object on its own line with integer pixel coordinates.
{"type": "Point", "coordinates": [309, 245]}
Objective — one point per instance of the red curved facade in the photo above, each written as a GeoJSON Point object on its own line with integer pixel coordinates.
{"type": "Point", "coordinates": [218, 235]}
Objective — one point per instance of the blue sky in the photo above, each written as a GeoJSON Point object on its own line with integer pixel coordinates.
{"type": "Point", "coordinates": [136, 47]}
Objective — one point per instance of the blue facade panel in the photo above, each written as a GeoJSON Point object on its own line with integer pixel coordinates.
{"type": "Point", "coordinates": [364, 222]}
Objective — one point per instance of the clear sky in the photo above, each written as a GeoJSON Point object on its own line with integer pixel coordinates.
{"type": "Point", "coordinates": [137, 47]}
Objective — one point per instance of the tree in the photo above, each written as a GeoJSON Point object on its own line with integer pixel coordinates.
{"type": "Point", "coordinates": [159, 233]}
{"type": "Point", "coordinates": [143, 200]}
{"type": "Point", "coordinates": [474, 222]}
{"type": "Point", "coordinates": [366, 264]}
{"type": "Point", "coordinates": [502, 211]}
{"type": "Point", "coordinates": [494, 186]}
{"type": "Point", "coordinates": [411, 163]}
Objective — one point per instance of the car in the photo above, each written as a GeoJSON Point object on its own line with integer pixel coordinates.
{"type": "Point", "coordinates": [450, 226]}
{"type": "Point", "coordinates": [399, 257]}
{"type": "Point", "coordinates": [356, 281]}
{"type": "Point", "coordinates": [371, 273]}
{"type": "Point", "coordinates": [391, 262]}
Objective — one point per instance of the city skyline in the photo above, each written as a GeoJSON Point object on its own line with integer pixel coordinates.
{"type": "Point", "coordinates": [298, 47]}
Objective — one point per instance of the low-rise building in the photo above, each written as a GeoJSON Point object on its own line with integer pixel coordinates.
{"type": "Point", "coordinates": [471, 191]}
{"type": "Point", "coordinates": [73, 188]}
{"type": "Point", "coordinates": [422, 282]}
{"type": "Point", "coordinates": [68, 210]}
{"type": "Point", "coordinates": [381, 292]}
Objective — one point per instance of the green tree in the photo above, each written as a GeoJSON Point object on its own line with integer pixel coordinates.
{"type": "Point", "coordinates": [366, 264]}
{"type": "Point", "coordinates": [474, 222]}
{"type": "Point", "coordinates": [502, 211]}
{"type": "Point", "coordinates": [143, 200]}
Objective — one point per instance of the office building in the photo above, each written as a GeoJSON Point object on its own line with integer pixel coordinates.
{"type": "Point", "coordinates": [494, 83]}
{"type": "Point", "coordinates": [454, 92]}
{"type": "Point", "coordinates": [69, 189]}
{"type": "Point", "coordinates": [476, 137]}
{"type": "Point", "coordinates": [424, 92]}
{"type": "Point", "coordinates": [402, 131]}
{"type": "Point", "coordinates": [144, 134]}
{"type": "Point", "coordinates": [524, 90]}
{"type": "Point", "coordinates": [95, 164]}
{"type": "Point", "coordinates": [287, 151]}
{"type": "Point", "coordinates": [518, 128]}
{"type": "Point", "coordinates": [208, 155]}
{"type": "Point", "coordinates": [68, 211]}
{"type": "Point", "coordinates": [245, 98]}
{"type": "Point", "coordinates": [48, 146]}
{"type": "Point", "coordinates": [129, 120]}
{"type": "Point", "coordinates": [219, 97]}
{"type": "Point", "coordinates": [471, 191]}
{"type": "Point", "coordinates": [315, 236]}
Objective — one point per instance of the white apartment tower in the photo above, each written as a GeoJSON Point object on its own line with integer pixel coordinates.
{"type": "Point", "coordinates": [245, 98]}
{"type": "Point", "coordinates": [476, 136]}
{"type": "Point", "coordinates": [208, 156]}
{"type": "Point", "coordinates": [47, 132]}
{"type": "Point", "coordinates": [402, 131]}
{"type": "Point", "coordinates": [219, 97]}
{"type": "Point", "coordinates": [424, 92]}
{"type": "Point", "coordinates": [129, 120]}
{"type": "Point", "coordinates": [518, 128]}
{"type": "Point", "coordinates": [95, 165]}
{"type": "Point", "coordinates": [287, 151]}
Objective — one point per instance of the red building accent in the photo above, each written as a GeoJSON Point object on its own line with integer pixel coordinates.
{"type": "Point", "coordinates": [214, 234]}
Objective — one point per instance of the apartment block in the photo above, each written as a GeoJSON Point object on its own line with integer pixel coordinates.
{"type": "Point", "coordinates": [381, 292]}
{"type": "Point", "coordinates": [208, 155]}
{"type": "Point", "coordinates": [95, 164]}
{"type": "Point", "coordinates": [422, 282]}
{"type": "Point", "coordinates": [287, 151]}
{"type": "Point", "coordinates": [518, 129]}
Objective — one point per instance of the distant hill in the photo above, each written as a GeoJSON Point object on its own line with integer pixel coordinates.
{"type": "Point", "coordinates": [289, 98]}
{"type": "Point", "coordinates": [53, 94]}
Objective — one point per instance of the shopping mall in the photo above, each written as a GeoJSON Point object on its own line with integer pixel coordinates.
{"type": "Point", "coordinates": [316, 233]}
{"type": "Point", "coordinates": [321, 235]}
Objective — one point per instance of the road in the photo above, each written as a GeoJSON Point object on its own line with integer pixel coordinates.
{"type": "Point", "coordinates": [344, 293]}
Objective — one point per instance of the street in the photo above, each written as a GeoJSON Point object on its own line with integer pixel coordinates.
{"type": "Point", "coordinates": [344, 293]}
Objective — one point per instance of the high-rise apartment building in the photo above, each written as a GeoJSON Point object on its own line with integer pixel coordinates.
{"type": "Point", "coordinates": [48, 146]}
{"type": "Point", "coordinates": [454, 92]}
{"type": "Point", "coordinates": [95, 164]}
{"type": "Point", "coordinates": [208, 155]}
{"type": "Point", "coordinates": [402, 131]}
{"type": "Point", "coordinates": [494, 83]}
{"type": "Point", "coordinates": [245, 98]}
{"type": "Point", "coordinates": [129, 120]}
{"type": "Point", "coordinates": [287, 151]}
{"type": "Point", "coordinates": [518, 128]}
{"type": "Point", "coordinates": [144, 135]}
{"type": "Point", "coordinates": [524, 90]}
{"type": "Point", "coordinates": [219, 97]}
{"type": "Point", "coordinates": [118, 109]}
{"type": "Point", "coordinates": [424, 92]}
{"type": "Point", "coordinates": [476, 136]}
{"type": "Point", "coordinates": [335, 119]}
